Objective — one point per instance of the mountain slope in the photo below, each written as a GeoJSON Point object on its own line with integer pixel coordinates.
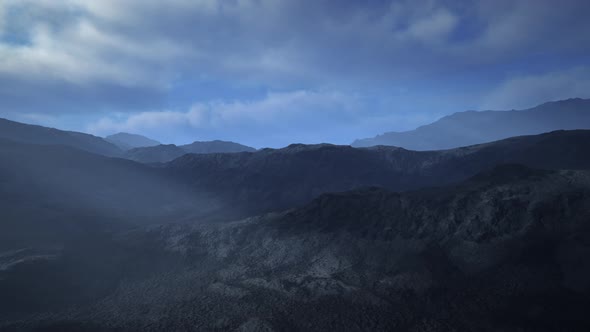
{"type": "Point", "coordinates": [52, 188]}
{"type": "Point", "coordinates": [155, 154]}
{"type": "Point", "coordinates": [270, 179]}
{"type": "Point", "coordinates": [467, 128]}
{"type": "Point", "coordinates": [507, 250]}
{"type": "Point", "coordinates": [216, 147]}
{"type": "Point", "coordinates": [126, 141]}
{"type": "Point", "coordinates": [20, 132]}
{"type": "Point", "coordinates": [164, 153]}
{"type": "Point", "coordinates": [52, 193]}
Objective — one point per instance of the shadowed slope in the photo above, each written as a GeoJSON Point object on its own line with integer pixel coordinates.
{"type": "Point", "coordinates": [271, 179]}
{"type": "Point", "coordinates": [55, 191]}
{"type": "Point", "coordinates": [506, 250]}
{"type": "Point", "coordinates": [24, 133]}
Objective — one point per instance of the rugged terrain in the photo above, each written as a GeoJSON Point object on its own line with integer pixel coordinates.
{"type": "Point", "coordinates": [506, 250]}
{"type": "Point", "coordinates": [275, 179]}
{"type": "Point", "coordinates": [486, 237]}
{"type": "Point", "coordinates": [56, 190]}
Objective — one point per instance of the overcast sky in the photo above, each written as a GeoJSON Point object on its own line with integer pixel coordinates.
{"type": "Point", "coordinates": [271, 72]}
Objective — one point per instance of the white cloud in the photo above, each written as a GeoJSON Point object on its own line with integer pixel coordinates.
{"type": "Point", "coordinates": [117, 54]}
{"type": "Point", "coordinates": [84, 54]}
{"type": "Point", "coordinates": [434, 28]}
{"type": "Point", "coordinates": [147, 42]}
{"type": "Point", "coordinates": [530, 90]}
{"type": "Point", "coordinates": [275, 120]}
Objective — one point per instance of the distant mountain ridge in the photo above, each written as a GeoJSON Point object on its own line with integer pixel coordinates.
{"type": "Point", "coordinates": [473, 127]}
{"type": "Point", "coordinates": [155, 154]}
{"type": "Point", "coordinates": [216, 146]}
{"type": "Point", "coordinates": [126, 141]}
{"type": "Point", "coordinates": [275, 179]}
{"type": "Point", "coordinates": [33, 134]}
{"type": "Point", "coordinates": [167, 152]}
{"type": "Point", "coordinates": [123, 145]}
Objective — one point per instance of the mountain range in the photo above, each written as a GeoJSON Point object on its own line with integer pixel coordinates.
{"type": "Point", "coordinates": [486, 237]}
{"type": "Point", "coordinates": [164, 153]}
{"type": "Point", "coordinates": [121, 145]}
{"type": "Point", "coordinates": [471, 127]}
{"type": "Point", "coordinates": [274, 179]}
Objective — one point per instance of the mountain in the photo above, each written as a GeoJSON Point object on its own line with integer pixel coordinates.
{"type": "Point", "coordinates": [165, 153]}
{"type": "Point", "coordinates": [507, 250]}
{"type": "Point", "coordinates": [216, 147]}
{"type": "Point", "coordinates": [486, 237]}
{"type": "Point", "coordinates": [155, 154]}
{"type": "Point", "coordinates": [49, 194]}
{"type": "Point", "coordinates": [467, 128]}
{"type": "Point", "coordinates": [25, 133]}
{"type": "Point", "coordinates": [275, 179]}
{"type": "Point", "coordinates": [126, 141]}
{"type": "Point", "coordinates": [58, 191]}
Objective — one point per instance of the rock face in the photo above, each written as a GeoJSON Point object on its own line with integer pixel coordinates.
{"type": "Point", "coordinates": [507, 250]}
{"type": "Point", "coordinates": [467, 128]}
{"type": "Point", "coordinates": [59, 191]}
{"type": "Point", "coordinates": [126, 141]}
{"type": "Point", "coordinates": [31, 134]}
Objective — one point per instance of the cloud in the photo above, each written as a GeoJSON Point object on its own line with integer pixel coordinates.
{"type": "Point", "coordinates": [135, 43]}
{"type": "Point", "coordinates": [507, 29]}
{"type": "Point", "coordinates": [276, 120]}
{"type": "Point", "coordinates": [530, 90]}
{"type": "Point", "coordinates": [81, 53]}
{"type": "Point", "coordinates": [278, 115]}
{"type": "Point", "coordinates": [434, 28]}
{"type": "Point", "coordinates": [128, 61]}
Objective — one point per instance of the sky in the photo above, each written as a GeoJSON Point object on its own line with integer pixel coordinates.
{"type": "Point", "coordinates": [268, 73]}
